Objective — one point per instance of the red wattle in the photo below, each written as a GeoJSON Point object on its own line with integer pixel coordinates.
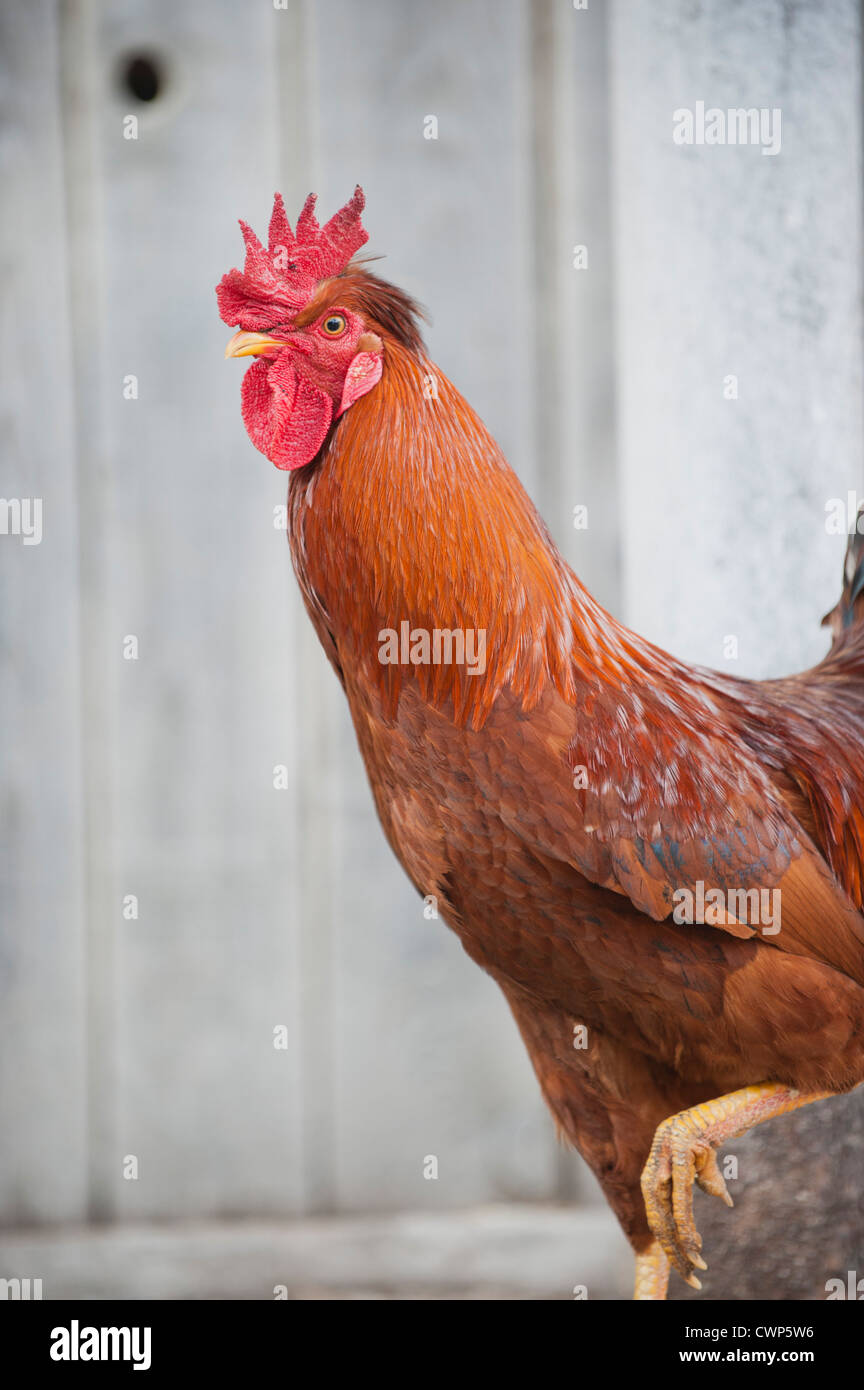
{"type": "Point", "coordinates": [286, 416]}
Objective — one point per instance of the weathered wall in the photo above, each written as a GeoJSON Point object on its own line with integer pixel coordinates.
{"type": "Point", "coordinates": [154, 777]}
{"type": "Point", "coordinates": [260, 907]}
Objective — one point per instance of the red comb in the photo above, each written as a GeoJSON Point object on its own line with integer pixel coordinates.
{"type": "Point", "coordinates": [283, 276]}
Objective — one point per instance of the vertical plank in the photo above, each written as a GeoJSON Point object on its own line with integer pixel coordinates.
{"type": "Point", "coordinates": [80, 90]}
{"type": "Point", "coordinates": [42, 976]}
{"type": "Point", "coordinates": [573, 290]}
{"type": "Point", "coordinates": [200, 576]}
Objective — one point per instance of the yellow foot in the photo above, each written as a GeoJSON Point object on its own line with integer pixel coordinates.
{"type": "Point", "coordinates": [652, 1274]}
{"type": "Point", "coordinates": [683, 1153]}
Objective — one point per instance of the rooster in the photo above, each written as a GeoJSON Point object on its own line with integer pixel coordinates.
{"type": "Point", "coordinates": [662, 867]}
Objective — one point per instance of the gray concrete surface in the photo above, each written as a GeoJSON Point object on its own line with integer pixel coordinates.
{"type": "Point", "coordinates": [511, 1252]}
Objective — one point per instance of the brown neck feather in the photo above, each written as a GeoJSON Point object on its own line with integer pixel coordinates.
{"type": "Point", "coordinates": [413, 515]}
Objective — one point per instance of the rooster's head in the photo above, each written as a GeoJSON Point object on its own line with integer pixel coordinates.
{"type": "Point", "coordinates": [314, 355]}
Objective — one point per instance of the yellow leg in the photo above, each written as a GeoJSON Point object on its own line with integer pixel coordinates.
{"type": "Point", "coordinates": [652, 1274]}
{"type": "Point", "coordinates": [683, 1153]}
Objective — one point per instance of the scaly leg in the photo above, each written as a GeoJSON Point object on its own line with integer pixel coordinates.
{"type": "Point", "coordinates": [683, 1153]}
{"type": "Point", "coordinates": [652, 1274]}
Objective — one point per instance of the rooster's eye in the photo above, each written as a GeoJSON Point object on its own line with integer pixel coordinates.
{"type": "Point", "coordinates": [334, 324]}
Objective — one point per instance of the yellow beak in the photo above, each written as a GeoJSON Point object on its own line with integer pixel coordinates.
{"type": "Point", "coordinates": [252, 345]}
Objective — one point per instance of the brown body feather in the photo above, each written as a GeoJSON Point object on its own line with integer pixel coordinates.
{"type": "Point", "coordinates": [564, 893]}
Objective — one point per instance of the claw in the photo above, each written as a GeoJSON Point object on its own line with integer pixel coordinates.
{"type": "Point", "coordinates": [683, 1152]}
{"type": "Point", "coordinates": [712, 1181]}
{"type": "Point", "coordinates": [678, 1159]}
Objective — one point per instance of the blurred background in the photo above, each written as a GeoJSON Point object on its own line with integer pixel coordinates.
{"type": "Point", "coordinates": [231, 1044]}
